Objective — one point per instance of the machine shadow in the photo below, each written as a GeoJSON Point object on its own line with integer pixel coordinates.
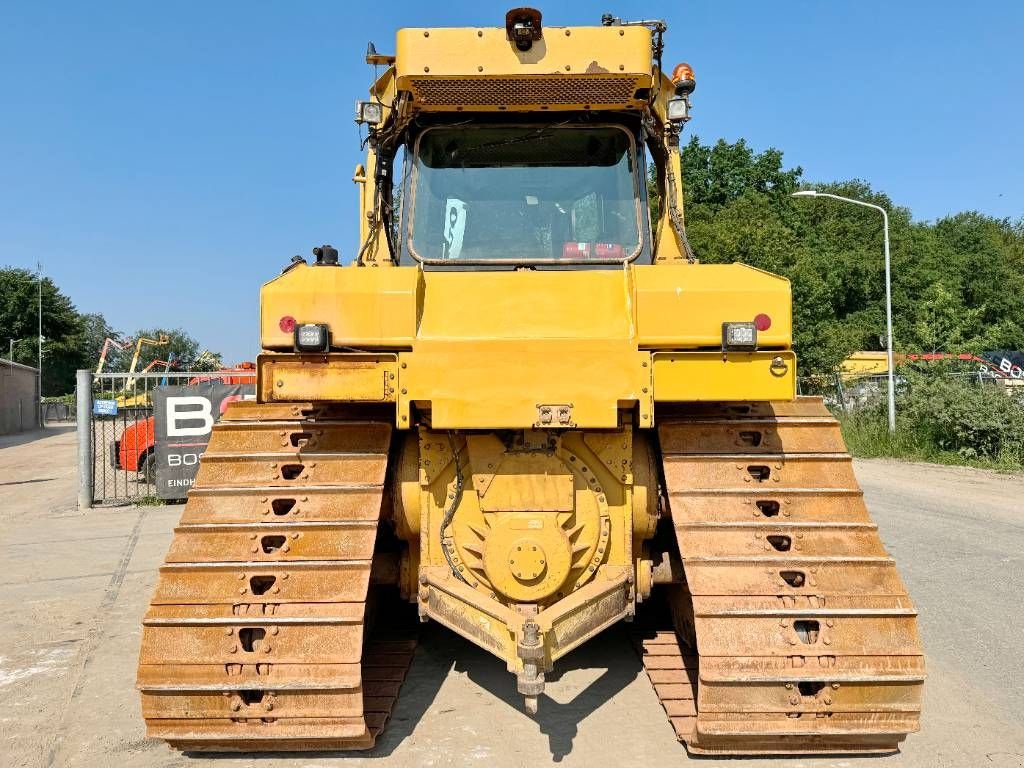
{"type": "Point", "coordinates": [611, 651]}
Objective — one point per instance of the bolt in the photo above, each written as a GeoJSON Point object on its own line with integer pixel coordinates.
{"type": "Point", "coordinates": [228, 631]}
{"type": "Point", "coordinates": [828, 699]}
{"type": "Point", "coordinates": [794, 700]}
{"type": "Point", "coordinates": [835, 686]}
{"type": "Point", "coordinates": [268, 706]}
{"type": "Point", "coordinates": [274, 630]}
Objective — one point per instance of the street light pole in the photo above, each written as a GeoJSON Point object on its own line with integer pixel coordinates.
{"type": "Point", "coordinates": [39, 370]}
{"type": "Point", "coordinates": [888, 289]}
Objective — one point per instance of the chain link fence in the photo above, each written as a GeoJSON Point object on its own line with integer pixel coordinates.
{"type": "Point", "coordinates": [848, 395]}
{"type": "Point", "coordinates": [122, 435]}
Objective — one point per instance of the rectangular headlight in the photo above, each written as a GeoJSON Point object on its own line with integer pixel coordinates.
{"type": "Point", "coordinates": [312, 337]}
{"type": "Point", "coordinates": [371, 112]}
{"type": "Point", "coordinates": [678, 110]}
{"type": "Point", "coordinates": [739, 336]}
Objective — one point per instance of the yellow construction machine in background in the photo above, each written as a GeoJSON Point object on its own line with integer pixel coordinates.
{"type": "Point", "coordinates": [526, 412]}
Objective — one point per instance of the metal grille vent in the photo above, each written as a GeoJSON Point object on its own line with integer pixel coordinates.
{"type": "Point", "coordinates": [442, 91]}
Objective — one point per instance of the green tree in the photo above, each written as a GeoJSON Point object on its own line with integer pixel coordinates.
{"type": "Point", "coordinates": [95, 331]}
{"type": "Point", "coordinates": [62, 328]}
{"type": "Point", "coordinates": [181, 349]}
{"type": "Point", "coordinates": [957, 283]}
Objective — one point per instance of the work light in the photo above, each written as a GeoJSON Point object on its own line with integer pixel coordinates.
{"type": "Point", "coordinates": [312, 337]}
{"type": "Point", "coordinates": [739, 336]}
{"type": "Point", "coordinates": [678, 109]}
{"type": "Point", "coordinates": [371, 112]}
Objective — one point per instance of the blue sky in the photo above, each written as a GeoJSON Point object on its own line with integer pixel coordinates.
{"type": "Point", "coordinates": [165, 159]}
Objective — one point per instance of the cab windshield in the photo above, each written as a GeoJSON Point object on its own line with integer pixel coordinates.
{"type": "Point", "coordinates": [524, 194]}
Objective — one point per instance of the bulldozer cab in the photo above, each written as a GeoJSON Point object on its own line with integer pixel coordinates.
{"type": "Point", "coordinates": [500, 193]}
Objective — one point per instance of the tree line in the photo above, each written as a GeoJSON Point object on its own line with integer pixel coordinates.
{"type": "Point", "coordinates": [958, 283]}
{"type": "Point", "coordinates": [74, 340]}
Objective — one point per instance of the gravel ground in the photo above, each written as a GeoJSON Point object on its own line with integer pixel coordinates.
{"type": "Point", "coordinates": [74, 586]}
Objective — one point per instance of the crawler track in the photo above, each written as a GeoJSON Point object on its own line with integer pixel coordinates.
{"type": "Point", "coordinates": [254, 639]}
{"type": "Point", "coordinates": [807, 639]}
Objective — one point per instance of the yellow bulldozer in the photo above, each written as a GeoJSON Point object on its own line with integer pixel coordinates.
{"type": "Point", "coordinates": [526, 412]}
